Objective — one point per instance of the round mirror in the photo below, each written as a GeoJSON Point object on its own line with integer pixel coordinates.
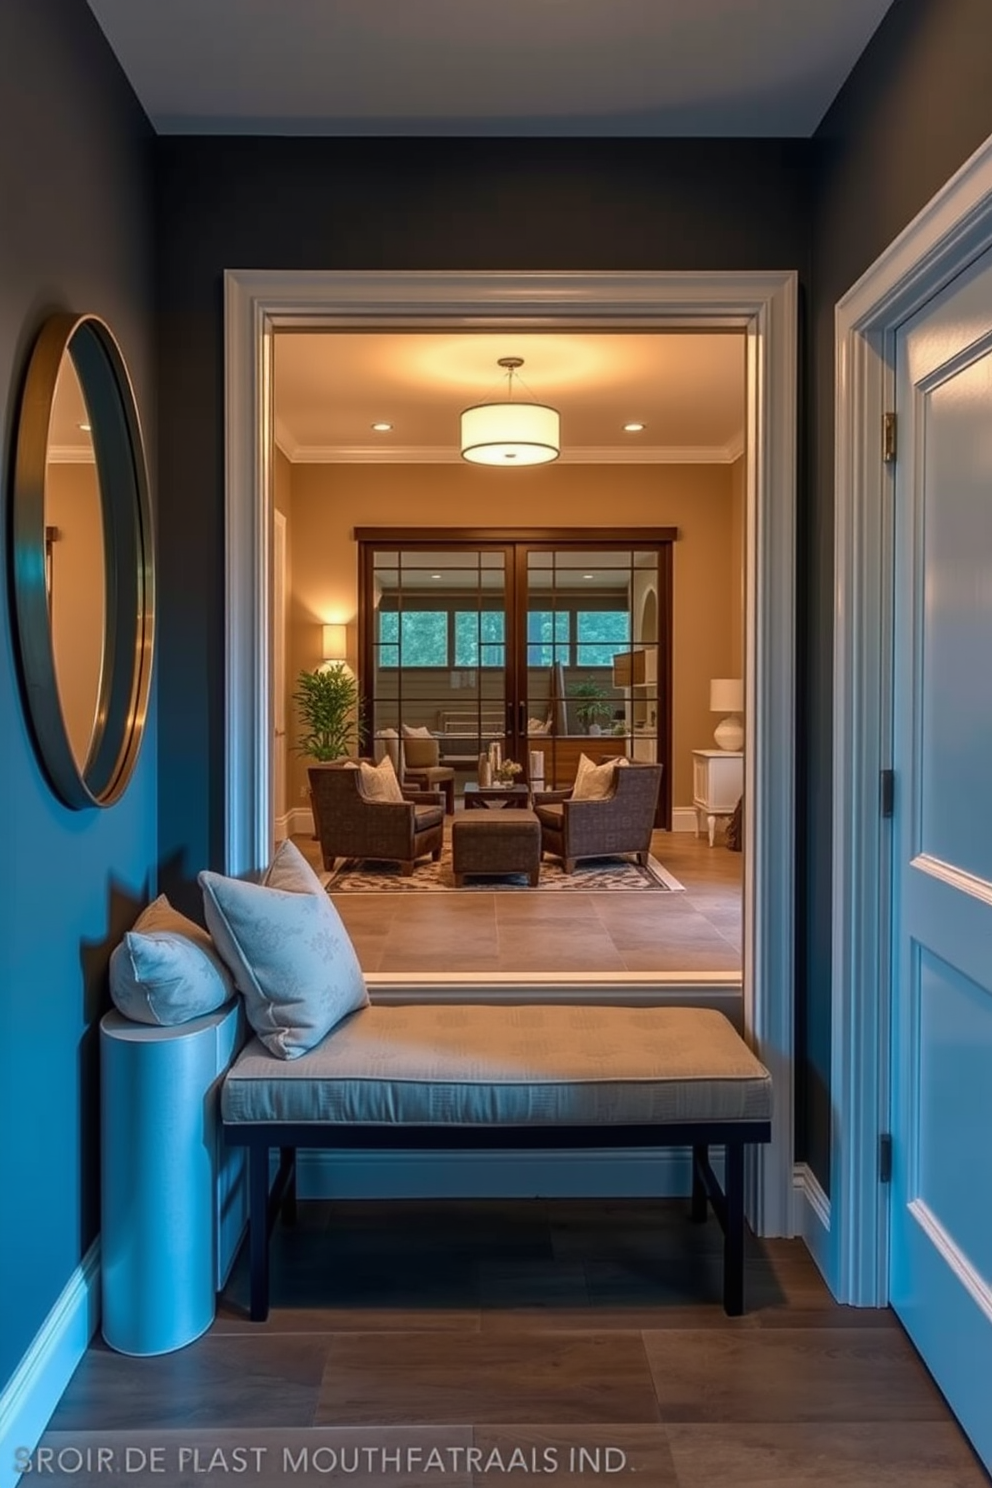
{"type": "Point", "coordinates": [82, 553]}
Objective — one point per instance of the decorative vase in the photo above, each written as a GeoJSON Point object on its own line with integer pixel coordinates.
{"type": "Point", "coordinates": [594, 728]}
{"type": "Point", "coordinates": [485, 772]}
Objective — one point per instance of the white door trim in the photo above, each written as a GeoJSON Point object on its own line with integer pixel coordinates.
{"type": "Point", "coordinates": [764, 305]}
{"type": "Point", "coordinates": [954, 228]}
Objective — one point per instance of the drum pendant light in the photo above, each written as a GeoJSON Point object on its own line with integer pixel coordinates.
{"type": "Point", "coordinates": [509, 433]}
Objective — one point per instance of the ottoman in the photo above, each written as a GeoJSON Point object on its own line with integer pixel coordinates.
{"type": "Point", "coordinates": [507, 841]}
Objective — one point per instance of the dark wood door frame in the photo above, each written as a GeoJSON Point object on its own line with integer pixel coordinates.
{"type": "Point", "coordinates": [371, 539]}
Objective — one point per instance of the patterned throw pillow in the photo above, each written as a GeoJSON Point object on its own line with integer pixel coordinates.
{"type": "Point", "coordinates": [379, 782]}
{"type": "Point", "coordinates": [593, 782]}
{"type": "Point", "coordinates": [288, 952]}
{"type": "Point", "coordinates": [166, 970]}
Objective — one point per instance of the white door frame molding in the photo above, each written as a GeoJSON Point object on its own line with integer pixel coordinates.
{"type": "Point", "coordinates": [954, 228]}
{"type": "Point", "coordinates": [764, 306]}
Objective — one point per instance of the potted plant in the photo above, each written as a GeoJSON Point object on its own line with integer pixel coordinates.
{"type": "Point", "coordinates": [329, 709]}
{"type": "Point", "coordinates": [591, 705]}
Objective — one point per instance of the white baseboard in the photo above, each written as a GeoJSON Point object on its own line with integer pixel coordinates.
{"type": "Point", "coordinates": [299, 822]}
{"type": "Point", "coordinates": [625, 1173]}
{"type": "Point", "coordinates": [811, 1216]}
{"type": "Point", "coordinates": [683, 819]}
{"type": "Point", "coordinates": [27, 1403]}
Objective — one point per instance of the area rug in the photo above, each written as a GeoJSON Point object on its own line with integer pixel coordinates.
{"type": "Point", "coordinates": [591, 876]}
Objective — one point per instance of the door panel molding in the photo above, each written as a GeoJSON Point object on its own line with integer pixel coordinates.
{"type": "Point", "coordinates": [764, 304]}
{"type": "Point", "coordinates": [949, 233]}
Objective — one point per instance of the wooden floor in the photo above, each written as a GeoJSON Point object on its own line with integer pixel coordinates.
{"type": "Point", "coordinates": [523, 931]}
{"type": "Point", "coordinates": [541, 1327]}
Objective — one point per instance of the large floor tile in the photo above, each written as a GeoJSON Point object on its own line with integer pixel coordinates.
{"type": "Point", "coordinates": [790, 1374]}
{"type": "Point", "coordinates": [568, 1455]}
{"type": "Point", "coordinates": [218, 1381]}
{"type": "Point", "coordinates": [486, 1379]}
{"type": "Point", "coordinates": [894, 1454]}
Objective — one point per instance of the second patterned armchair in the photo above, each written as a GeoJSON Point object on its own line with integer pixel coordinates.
{"type": "Point", "coordinates": [621, 822]}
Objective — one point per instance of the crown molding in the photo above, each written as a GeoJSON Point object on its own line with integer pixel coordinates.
{"type": "Point", "coordinates": [425, 454]}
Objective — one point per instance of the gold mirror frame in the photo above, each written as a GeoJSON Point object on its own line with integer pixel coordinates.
{"type": "Point", "coordinates": [129, 581]}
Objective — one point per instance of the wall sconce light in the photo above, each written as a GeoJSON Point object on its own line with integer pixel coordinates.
{"type": "Point", "coordinates": [727, 696]}
{"type": "Point", "coordinates": [335, 643]}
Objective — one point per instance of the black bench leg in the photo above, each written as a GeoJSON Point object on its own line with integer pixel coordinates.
{"type": "Point", "coordinates": [288, 1156]}
{"type": "Point", "coordinates": [733, 1237]}
{"type": "Point", "coordinates": [697, 1210]}
{"type": "Point", "coordinates": [258, 1230]}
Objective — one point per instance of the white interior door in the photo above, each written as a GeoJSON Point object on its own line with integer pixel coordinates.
{"type": "Point", "coordinates": [280, 805]}
{"type": "Point", "coordinates": [941, 1260]}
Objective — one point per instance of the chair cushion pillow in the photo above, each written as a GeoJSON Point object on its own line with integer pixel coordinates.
{"type": "Point", "coordinates": [593, 782]}
{"type": "Point", "coordinates": [167, 970]}
{"type": "Point", "coordinates": [288, 951]}
{"type": "Point", "coordinates": [379, 782]}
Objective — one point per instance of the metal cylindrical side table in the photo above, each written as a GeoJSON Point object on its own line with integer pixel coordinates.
{"type": "Point", "coordinates": [159, 1145]}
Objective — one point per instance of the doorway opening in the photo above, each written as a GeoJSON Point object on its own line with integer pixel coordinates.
{"type": "Point", "coordinates": [763, 307]}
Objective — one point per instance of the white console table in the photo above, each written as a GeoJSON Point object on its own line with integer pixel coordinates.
{"type": "Point", "coordinates": [717, 785]}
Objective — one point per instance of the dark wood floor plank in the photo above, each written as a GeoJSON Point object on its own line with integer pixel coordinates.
{"type": "Point", "coordinates": [569, 1455]}
{"type": "Point", "coordinates": [790, 1374]}
{"type": "Point", "coordinates": [487, 1379]}
{"type": "Point", "coordinates": [904, 1454]}
{"type": "Point", "coordinates": [217, 1381]}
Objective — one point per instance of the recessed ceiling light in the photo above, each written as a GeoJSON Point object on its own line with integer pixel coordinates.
{"type": "Point", "coordinates": [632, 428]}
{"type": "Point", "coordinates": [86, 428]}
{"type": "Point", "coordinates": [382, 428]}
{"type": "Point", "coordinates": [588, 576]}
{"type": "Point", "coordinates": [435, 576]}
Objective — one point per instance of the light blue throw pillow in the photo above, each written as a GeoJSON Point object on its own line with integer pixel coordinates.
{"type": "Point", "coordinates": [287, 950]}
{"type": "Point", "coordinates": [166, 969]}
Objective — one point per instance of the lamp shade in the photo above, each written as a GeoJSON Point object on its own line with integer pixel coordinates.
{"type": "Point", "coordinates": [335, 642]}
{"type": "Point", "coordinates": [726, 695]}
{"type": "Point", "coordinates": [510, 434]}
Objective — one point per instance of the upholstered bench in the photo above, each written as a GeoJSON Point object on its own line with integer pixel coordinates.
{"type": "Point", "coordinates": [450, 1077]}
{"type": "Point", "coordinates": [504, 841]}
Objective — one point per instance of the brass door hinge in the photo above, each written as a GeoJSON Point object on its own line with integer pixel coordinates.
{"type": "Point", "coordinates": [888, 438]}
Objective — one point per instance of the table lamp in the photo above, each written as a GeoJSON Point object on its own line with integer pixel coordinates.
{"type": "Point", "coordinates": [727, 697]}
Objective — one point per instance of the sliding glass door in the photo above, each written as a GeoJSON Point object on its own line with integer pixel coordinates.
{"type": "Point", "coordinates": [550, 645]}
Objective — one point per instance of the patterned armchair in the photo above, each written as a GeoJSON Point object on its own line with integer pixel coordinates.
{"type": "Point", "coordinates": [349, 826]}
{"type": "Point", "coordinates": [620, 823]}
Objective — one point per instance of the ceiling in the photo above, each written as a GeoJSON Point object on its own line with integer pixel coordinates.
{"type": "Point", "coordinates": [630, 68]}
{"type": "Point", "coordinates": [686, 388]}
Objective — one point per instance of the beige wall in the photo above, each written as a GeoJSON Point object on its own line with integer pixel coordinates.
{"type": "Point", "coordinates": [282, 496]}
{"type": "Point", "coordinates": [72, 504]}
{"type": "Point", "coordinates": [738, 513]}
{"type": "Point", "coordinates": [329, 501]}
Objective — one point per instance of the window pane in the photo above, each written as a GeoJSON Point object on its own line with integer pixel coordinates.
{"type": "Point", "coordinates": [544, 627]}
{"type": "Point", "coordinates": [424, 638]}
{"type": "Point", "coordinates": [601, 633]}
{"type": "Point", "coordinates": [470, 626]}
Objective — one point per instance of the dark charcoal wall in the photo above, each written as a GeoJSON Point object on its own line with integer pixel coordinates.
{"type": "Point", "coordinates": [916, 106]}
{"type": "Point", "coordinates": [76, 212]}
{"type": "Point", "coordinates": [381, 204]}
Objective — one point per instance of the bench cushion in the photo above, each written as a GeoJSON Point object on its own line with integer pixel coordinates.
{"type": "Point", "coordinates": [472, 1064]}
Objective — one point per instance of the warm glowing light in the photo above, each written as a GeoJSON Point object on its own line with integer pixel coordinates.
{"type": "Point", "coordinates": [335, 642]}
{"type": "Point", "coordinates": [633, 428]}
{"type": "Point", "coordinates": [382, 428]}
{"type": "Point", "coordinates": [510, 434]}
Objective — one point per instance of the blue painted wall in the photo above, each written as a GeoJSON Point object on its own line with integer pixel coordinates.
{"type": "Point", "coordinates": [77, 233]}
{"type": "Point", "coordinates": [917, 104]}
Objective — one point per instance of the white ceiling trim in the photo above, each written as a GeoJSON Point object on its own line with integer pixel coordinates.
{"type": "Point", "coordinates": [424, 454]}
